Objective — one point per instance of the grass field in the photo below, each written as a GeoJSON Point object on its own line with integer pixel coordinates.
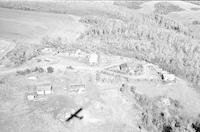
{"type": "Point", "coordinates": [64, 35]}
{"type": "Point", "coordinates": [20, 25]}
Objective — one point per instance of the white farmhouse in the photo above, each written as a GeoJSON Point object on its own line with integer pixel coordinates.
{"type": "Point", "coordinates": [93, 59]}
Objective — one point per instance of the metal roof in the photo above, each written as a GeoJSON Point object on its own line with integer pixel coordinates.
{"type": "Point", "coordinates": [44, 87]}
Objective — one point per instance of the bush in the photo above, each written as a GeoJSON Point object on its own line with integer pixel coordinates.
{"type": "Point", "coordinates": [166, 7]}
{"type": "Point", "coordinates": [195, 9]}
{"type": "Point", "coordinates": [156, 115]}
{"type": "Point", "coordinates": [22, 53]}
{"type": "Point", "coordinates": [24, 72]}
{"type": "Point", "coordinates": [57, 43]}
{"type": "Point", "coordinates": [28, 71]}
{"type": "Point", "coordinates": [50, 69]}
{"type": "Point", "coordinates": [129, 4]}
{"type": "Point", "coordinates": [90, 20]}
{"type": "Point", "coordinates": [35, 69]}
{"type": "Point", "coordinates": [40, 70]}
{"type": "Point", "coordinates": [2, 81]}
{"type": "Point", "coordinates": [196, 22]}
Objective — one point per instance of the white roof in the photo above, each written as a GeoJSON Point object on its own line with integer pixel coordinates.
{"type": "Point", "coordinates": [44, 87]}
{"type": "Point", "coordinates": [32, 78]}
{"type": "Point", "coordinates": [93, 58]}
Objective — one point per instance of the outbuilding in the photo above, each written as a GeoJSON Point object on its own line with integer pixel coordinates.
{"type": "Point", "coordinates": [77, 89]}
{"type": "Point", "coordinates": [31, 94]}
{"type": "Point", "coordinates": [44, 89]}
{"type": "Point", "coordinates": [169, 77]}
{"type": "Point", "coordinates": [93, 59]}
{"type": "Point", "coordinates": [124, 67]}
{"type": "Point", "coordinates": [32, 78]}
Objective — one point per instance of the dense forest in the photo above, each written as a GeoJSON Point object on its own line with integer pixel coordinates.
{"type": "Point", "coordinates": [154, 38]}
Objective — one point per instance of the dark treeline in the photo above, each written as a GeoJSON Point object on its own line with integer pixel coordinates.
{"type": "Point", "coordinates": [153, 38]}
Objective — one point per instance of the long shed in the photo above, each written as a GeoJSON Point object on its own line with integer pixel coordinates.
{"type": "Point", "coordinates": [44, 89]}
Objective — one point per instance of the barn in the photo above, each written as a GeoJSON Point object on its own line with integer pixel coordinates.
{"type": "Point", "coordinates": [44, 89]}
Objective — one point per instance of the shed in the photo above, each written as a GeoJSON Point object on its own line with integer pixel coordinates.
{"type": "Point", "coordinates": [93, 59]}
{"type": "Point", "coordinates": [44, 89]}
{"type": "Point", "coordinates": [124, 67]}
{"type": "Point", "coordinates": [31, 94]}
{"type": "Point", "coordinates": [77, 88]}
{"type": "Point", "coordinates": [169, 77]}
{"type": "Point", "coordinates": [31, 97]}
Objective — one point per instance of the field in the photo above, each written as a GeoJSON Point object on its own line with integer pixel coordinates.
{"type": "Point", "coordinates": [18, 25]}
{"type": "Point", "coordinates": [127, 66]}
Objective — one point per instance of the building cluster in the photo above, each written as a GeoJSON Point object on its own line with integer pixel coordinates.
{"type": "Point", "coordinates": [135, 71]}
{"type": "Point", "coordinates": [38, 92]}
{"type": "Point", "coordinates": [42, 91]}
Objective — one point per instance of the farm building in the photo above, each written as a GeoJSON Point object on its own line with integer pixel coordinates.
{"type": "Point", "coordinates": [168, 77]}
{"type": "Point", "coordinates": [31, 94]}
{"type": "Point", "coordinates": [155, 71]}
{"type": "Point", "coordinates": [151, 72]}
{"type": "Point", "coordinates": [44, 89]}
{"type": "Point", "coordinates": [93, 59]}
{"type": "Point", "coordinates": [77, 89]}
{"type": "Point", "coordinates": [124, 67]}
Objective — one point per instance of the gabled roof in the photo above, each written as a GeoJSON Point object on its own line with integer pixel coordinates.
{"type": "Point", "coordinates": [31, 89]}
{"type": "Point", "coordinates": [77, 85]}
{"type": "Point", "coordinates": [124, 65]}
{"type": "Point", "coordinates": [44, 87]}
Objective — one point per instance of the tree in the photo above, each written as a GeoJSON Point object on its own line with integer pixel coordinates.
{"type": "Point", "coordinates": [50, 69]}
